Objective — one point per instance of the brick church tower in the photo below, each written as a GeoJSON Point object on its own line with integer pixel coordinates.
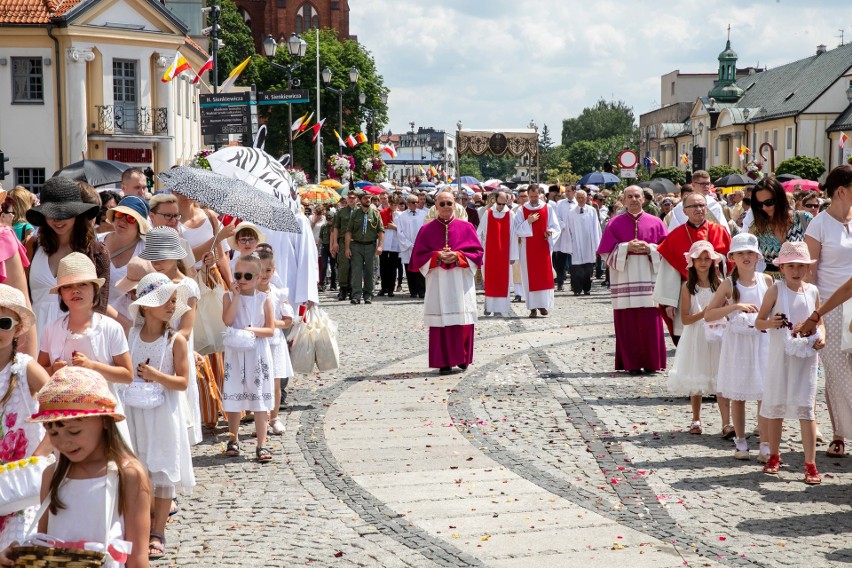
{"type": "Point", "coordinates": [280, 18]}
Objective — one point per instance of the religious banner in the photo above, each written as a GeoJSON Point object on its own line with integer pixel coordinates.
{"type": "Point", "coordinates": [516, 143]}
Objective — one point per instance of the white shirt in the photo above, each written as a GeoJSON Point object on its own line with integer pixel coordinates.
{"type": "Point", "coordinates": [835, 256]}
{"type": "Point", "coordinates": [585, 236]}
{"type": "Point", "coordinates": [408, 224]}
{"type": "Point", "coordinates": [563, 208]}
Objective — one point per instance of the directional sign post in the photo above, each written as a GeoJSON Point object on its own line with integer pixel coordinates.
{"type": "Point", "coordinates": [283, 97]}
{"type": "Point", "coordinates": [226, 113]}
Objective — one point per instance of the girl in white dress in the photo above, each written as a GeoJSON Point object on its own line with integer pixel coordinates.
{"type": "Point", "coordinates": [791, 373]}
{"type": "Point", "coordinates": [20, 379]}
{"type": "Point", "coordinates": [248, 361]}
{"type": "Point", "coordinates": [742, 361]}
{"type": "Point", "coordinates": [696, 361]}
{"type": "Point", "coordinates": [283, 314]}
{"type": "Point", "coordinates": [163, 249]}
{"type": "Point", "coordinates": [84, 338]}
{"type": "Point", "coordinates": [154, 412]}
{"type": "Point", "coordinates": [97, 489]}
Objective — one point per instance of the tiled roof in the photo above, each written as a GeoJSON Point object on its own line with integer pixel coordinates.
{"type": "Point", "coordinates": [203, 51]}
{"type": "Point", "coordinates": [843, 122]}
{"type": "Point", "coordinates": [33, 11]}
{"type": "Point", "coordinates": [791, 88]}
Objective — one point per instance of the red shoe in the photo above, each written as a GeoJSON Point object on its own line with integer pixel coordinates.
{"type": "Point", "coordinates": [812, 476]}
{"type": "Point", "coordinates": [773, 464]}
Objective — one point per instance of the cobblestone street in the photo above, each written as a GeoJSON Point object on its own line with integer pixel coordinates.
{"type": "Point", "coordinates": [539, 454]}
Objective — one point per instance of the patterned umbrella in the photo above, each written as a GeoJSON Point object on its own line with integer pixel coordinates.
{"type": "Point", "coordinates": [231, 196]}
{"type": "Point", "coordinates": [318, 195]}
{"type": "Point", "coordinates": [332, 183]}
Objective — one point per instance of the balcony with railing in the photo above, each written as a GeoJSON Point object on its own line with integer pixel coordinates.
{"type": "Point", "coordinates": [131, 119]}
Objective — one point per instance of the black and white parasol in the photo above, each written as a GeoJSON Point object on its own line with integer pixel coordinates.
{"type": "Point", "coordinates": [230, 196]}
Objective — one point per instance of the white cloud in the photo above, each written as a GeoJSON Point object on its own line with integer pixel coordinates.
{"type": "Point", "coordinates": [500, 63]}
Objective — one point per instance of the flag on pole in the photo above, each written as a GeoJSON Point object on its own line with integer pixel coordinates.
{"type": "Point", "coordinates": [316, 128]}
{"type": "Point", "coordinates": [305, 124]}
{"type": "Point", "coordinates": [422, 171]}
{"type": "Point", "coordinates": [208, 65]}
{"type": "Point", "coordinates": [339, 139]}
{"type": "Point", "coordinates": [177, 67]}
{"type": "Point", "coordinates": [684, 159]}
{"type": "Point", "coordinates": [351, 142]}
{"type": "Point", "coordinates": [387, 149]}
{"type": "Point", "coordinates": [234, 75]}
{"type": "Point", "coordinates": [361, 137]}
{"type": "Point", "coordinates": [843, 139]}
{"type": "Point", "coordinates": [741, 152]}
{"type": "Point", "coordinates": [432, 171]}
{"type": "Point", "coordinates": [299, 121]}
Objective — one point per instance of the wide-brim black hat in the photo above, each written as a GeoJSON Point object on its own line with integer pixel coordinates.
{"type": "Point", "coordinates": [60, 199]}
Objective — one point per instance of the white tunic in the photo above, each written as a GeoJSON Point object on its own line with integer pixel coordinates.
{"type": "Point", "coordinates": [499, 305]}
{"type": "Point", "coordinates": [408, 224]}
{"type": "Point", "coordinates": [585, 234]}
{"type": "Point", "coordinates": [563, 208]}
{"type": "Point", "coordinates": [297, 262]}
{"type": "Point", "coordinates": [450, 296]}
{"type": "Point", "coordinates": [538, 299]}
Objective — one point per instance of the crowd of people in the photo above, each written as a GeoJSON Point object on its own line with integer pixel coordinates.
{"type": "Point", "coordinates": [102, 297]}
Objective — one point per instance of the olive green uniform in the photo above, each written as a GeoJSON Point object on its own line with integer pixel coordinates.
{"type": "Point", "coordinates": [364, 228]}
{"type": "Point", "coordinates": [341, 223]}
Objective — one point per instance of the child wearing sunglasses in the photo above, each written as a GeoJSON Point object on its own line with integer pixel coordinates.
{"type": "Point", "coordinates": [248, 384]}
{"type": "Point", "coordinates": [20, 379]}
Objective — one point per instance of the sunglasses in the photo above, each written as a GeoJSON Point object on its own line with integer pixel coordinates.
{"type": "Point", "coordinates": [768, 203]}
{"type": "Point", "coordinates": [121, 215]}
{"type": "Point", "coordinates": [7, 323]}
{"type": "Point", "coordinates": [446, 204]}
{"type": "Point", "coordinates": [247, 276]}
{"type": "Point", "coordinates": [811, 205]}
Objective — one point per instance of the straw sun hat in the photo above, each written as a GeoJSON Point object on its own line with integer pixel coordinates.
{"type": "Point", "coordinates": [76, 268]}
{"type": "Point", "coordinates": [75, 392]}
{"type": "Point", "coordinates": [154, 290]}
{"type": "Point", "coordinates": [794, 253]}
{"type": "Point", "coordinates": [699, 247]}
{"type": "Point", "coordinates": [13, 299]}
{"type": "Point", "coordinates": [245, 225]}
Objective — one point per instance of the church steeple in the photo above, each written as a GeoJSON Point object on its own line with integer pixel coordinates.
{"type": "Point", "coordinates": [725, 88]}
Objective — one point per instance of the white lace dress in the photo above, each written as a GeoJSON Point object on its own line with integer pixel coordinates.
{"type": "Point", "coordinates": [159, 434]}
{"type": "Point", "coordinates": [696, 362]}
{"type": "Point", "coordinates": [742, 361]}
{"type": "Point", "coordinates": [248, 381]}
{"type": "Point", "coordinates": [791, 382]}
{"type": "Point", "coordinates": [281, 366]}
{"type": "Point", "coordinates": [18, 440]}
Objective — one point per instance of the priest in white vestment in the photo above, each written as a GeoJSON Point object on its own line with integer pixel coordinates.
{"type": "Point", "coordinates": [408, 224]}
{"type": "Point", "coordinates": [497, 234]}
{"type": "Point", "coordinates": [296, 264]}
{"type": "Point", "coordinates": [538, 227]}
{"type": "Point", "coordinates": [448, 253]}
{"type": "Point", "coordinates": [585, 230]}
{"type": "Point", "coordinates": [562, 255]}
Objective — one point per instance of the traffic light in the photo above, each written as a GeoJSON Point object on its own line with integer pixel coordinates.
{"type": "Point", "coordinates": [149, 175]}
{"type": "Point", "coordinates": [3, 171]}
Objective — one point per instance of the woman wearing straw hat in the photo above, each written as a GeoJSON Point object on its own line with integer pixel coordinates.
{"type": "Point", "coordinates": [64, 227]}
{"type": "Point", "coordinates": [130, 225]}
{"type": "Point", "coordinates": [163, 251]}
{"type": "Point", "coordinates": [83, 338]}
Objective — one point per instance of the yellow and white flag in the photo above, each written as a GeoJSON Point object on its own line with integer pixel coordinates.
{"type": "Point", "coordinates": [234, 75]}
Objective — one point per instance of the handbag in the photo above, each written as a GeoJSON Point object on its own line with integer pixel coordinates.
{"type": "Point", "coordinates": [140, 393]}
{"type": "Point", "coordinates": [326, 351]}
{"type": "Point", "coordinates": [209, 327]}
{"type": "Point", "coordinates": [20, 483]}
{"type": "Point", "coordinates": [846, 328]}
{"type": "Point", "coordinates": [742, 323]}
{"type": "Point", "coordinates": [239, 340]}
{"type": "Point", "coordinates": [715, 330]}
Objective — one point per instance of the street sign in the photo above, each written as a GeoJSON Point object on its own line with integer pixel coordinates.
{"type": "Point", "coordinates": [628, 159]}
{"type": "Point", "coordinates": [283, 97]}
{"type": "Point", "coordinates": [226, 113]}
{"type": "Point", "coordinates": [628, 173]}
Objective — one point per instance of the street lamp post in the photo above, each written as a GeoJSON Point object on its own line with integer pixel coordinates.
{"type": "Point", "coordinates": [354, 75]}
{"type": "Point", "coordinates": [370, 117]}
{"type": "Point", "coordinates": [296, 47]}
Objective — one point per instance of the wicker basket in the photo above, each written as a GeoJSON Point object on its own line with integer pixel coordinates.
{"type": "Point", "coordinates": [44, 557]}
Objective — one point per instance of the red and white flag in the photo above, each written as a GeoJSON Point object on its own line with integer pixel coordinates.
{"type": "Point", "coordinates": [843, 139]}
{"type": "Point", "coordinates": [316, 128]}
{"type": "Point", "coordinates": [350, 140]}
{"type": "Point", "coordinates": [208, 65]}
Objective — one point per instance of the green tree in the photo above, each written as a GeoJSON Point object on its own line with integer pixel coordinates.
{"type": "Point", "coordinates": [589, 155]}
{"type": "Point", "coordinates": [675, 175]}
{"type": "Point", "coordinates": [469, 166]}
{"type": "Point", "coordinates": [497, 167]}
{"type": "Point", "coordinates": [721, 171]}
{"type": "Point", "coordinates": [604, 120]}
{"type": "Point", "coordinates": [802, 166]}
{"type": "Point", "coordinates": [239, 44]}
{"type": "Point", "coordinates": [545, 142]}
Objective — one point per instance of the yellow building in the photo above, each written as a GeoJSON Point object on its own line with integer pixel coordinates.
{"type": "Point", "coordinates": [83, 79]}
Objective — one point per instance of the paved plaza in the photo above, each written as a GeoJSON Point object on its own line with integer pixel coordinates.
{"type": "Point", "coordinates": [538, 455]}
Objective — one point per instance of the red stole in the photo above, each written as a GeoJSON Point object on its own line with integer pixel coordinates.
{"type": "Point", "coordinates": [497, 256]}
{"type": "Point", "coordinates": [387, 215]}
{"type": "Point", "coordinates": [539, 266]}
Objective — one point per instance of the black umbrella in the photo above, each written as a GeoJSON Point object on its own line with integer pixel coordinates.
{"type": "Point", "coordinates": [231, 196]}
{"type": "Point", "coordinates": [787, 177]}
{"type": "Point", "coordinates": [95, 172]}
{"type": "Point", "coordinates": [659, 185]}
{"type": "Point", "coordinates": [733, 180]}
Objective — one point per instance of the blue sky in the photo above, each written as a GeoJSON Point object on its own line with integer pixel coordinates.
{"type": "Point", "coordinates": [501, 63]}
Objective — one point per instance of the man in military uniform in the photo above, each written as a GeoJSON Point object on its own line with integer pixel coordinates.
{"type": "Point", "coordinates": [338, 244]}
{"type": "Point", "coordinates": [364, 239]}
